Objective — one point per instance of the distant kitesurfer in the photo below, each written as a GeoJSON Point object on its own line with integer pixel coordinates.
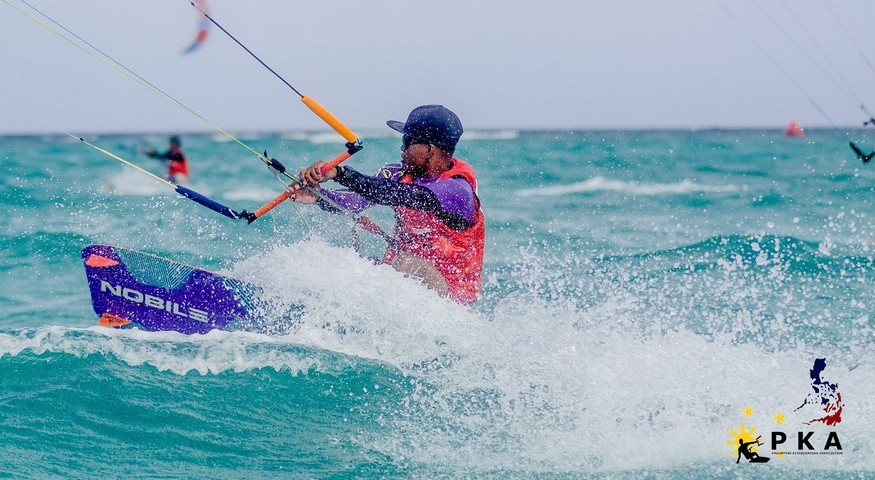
{"type": "Point", "coordinates": [439, 232]}
{"type": "Point", "coordinates": [177, 162]}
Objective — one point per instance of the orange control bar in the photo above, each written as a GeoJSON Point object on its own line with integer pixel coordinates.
{"type": "Point", "coordinates": [285, 195]}
{"type": "Point", "coordinates": [272, 204]}
{"type": "Point", "coordinates": [330, 119]}
{"type": "Point", "coordinates": [334, 162]}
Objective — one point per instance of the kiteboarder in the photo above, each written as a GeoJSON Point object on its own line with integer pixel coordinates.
{"type": "Point", "coordinates": [177, 166]}
{"type": "Point", "coordinates": [439, 232]}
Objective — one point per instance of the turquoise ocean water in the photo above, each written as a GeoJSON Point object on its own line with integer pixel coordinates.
{"type": "Point", "coordinates": [646, 293]}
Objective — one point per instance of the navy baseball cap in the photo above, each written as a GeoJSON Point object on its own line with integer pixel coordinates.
{"type": "Point", "coordinates": [434, 124]}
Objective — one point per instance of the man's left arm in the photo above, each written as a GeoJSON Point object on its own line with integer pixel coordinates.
{"type": "Point", "coordinates": [451, 200]}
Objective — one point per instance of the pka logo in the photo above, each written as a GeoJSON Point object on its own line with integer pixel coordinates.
{"type": "Point", "coordinates": [821, 407]}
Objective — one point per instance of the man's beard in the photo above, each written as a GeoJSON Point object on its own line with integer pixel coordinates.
{"type": "Point", "coordinates": [415, 171]}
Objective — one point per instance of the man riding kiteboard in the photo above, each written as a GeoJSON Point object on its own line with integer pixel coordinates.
{"type": "Point", "coordinates": [439, 232]}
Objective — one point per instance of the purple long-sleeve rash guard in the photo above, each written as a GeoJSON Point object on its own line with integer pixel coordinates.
{"type": "Point", "coordinates": [452, 200]}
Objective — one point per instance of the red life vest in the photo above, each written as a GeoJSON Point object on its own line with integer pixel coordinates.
{"type": "Point", "coordinates": [457, 255]}
{"type": "Point", "coordinates": [178, 166]}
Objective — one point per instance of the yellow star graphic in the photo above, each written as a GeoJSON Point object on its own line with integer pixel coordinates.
{"type": "Point", "coordinates": [779, 418]}
{"type": "Point", "coordinates": [748, 411]}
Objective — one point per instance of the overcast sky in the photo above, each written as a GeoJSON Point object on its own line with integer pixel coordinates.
{"type": "Point", "coordinates": [497, 63]}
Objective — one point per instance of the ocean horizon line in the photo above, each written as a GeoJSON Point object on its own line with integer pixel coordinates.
{"type": "Point", "coordinates": [384, 132]}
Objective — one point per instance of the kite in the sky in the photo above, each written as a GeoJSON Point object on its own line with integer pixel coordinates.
{"type": "Point", "coordinates": [203, 26]}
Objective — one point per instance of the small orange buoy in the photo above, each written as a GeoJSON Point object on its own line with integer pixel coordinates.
{"type": "Point", "coordinates": [794, 130]}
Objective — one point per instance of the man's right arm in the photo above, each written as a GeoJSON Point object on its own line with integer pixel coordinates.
{"type": "Point", "coordinates": [390, 192]}
{"type": "Point", "coordinates": [350, 200]}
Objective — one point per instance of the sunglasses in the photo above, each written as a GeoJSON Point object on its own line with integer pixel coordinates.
{"type": "Point", "coordinates": [407, 141]}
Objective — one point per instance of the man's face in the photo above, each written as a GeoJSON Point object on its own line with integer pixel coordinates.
{"type": "Point", "coordinates": [415, 155]}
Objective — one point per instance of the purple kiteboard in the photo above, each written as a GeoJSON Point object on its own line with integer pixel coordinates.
{"type": "Point", "coordinates": [131, 288]}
